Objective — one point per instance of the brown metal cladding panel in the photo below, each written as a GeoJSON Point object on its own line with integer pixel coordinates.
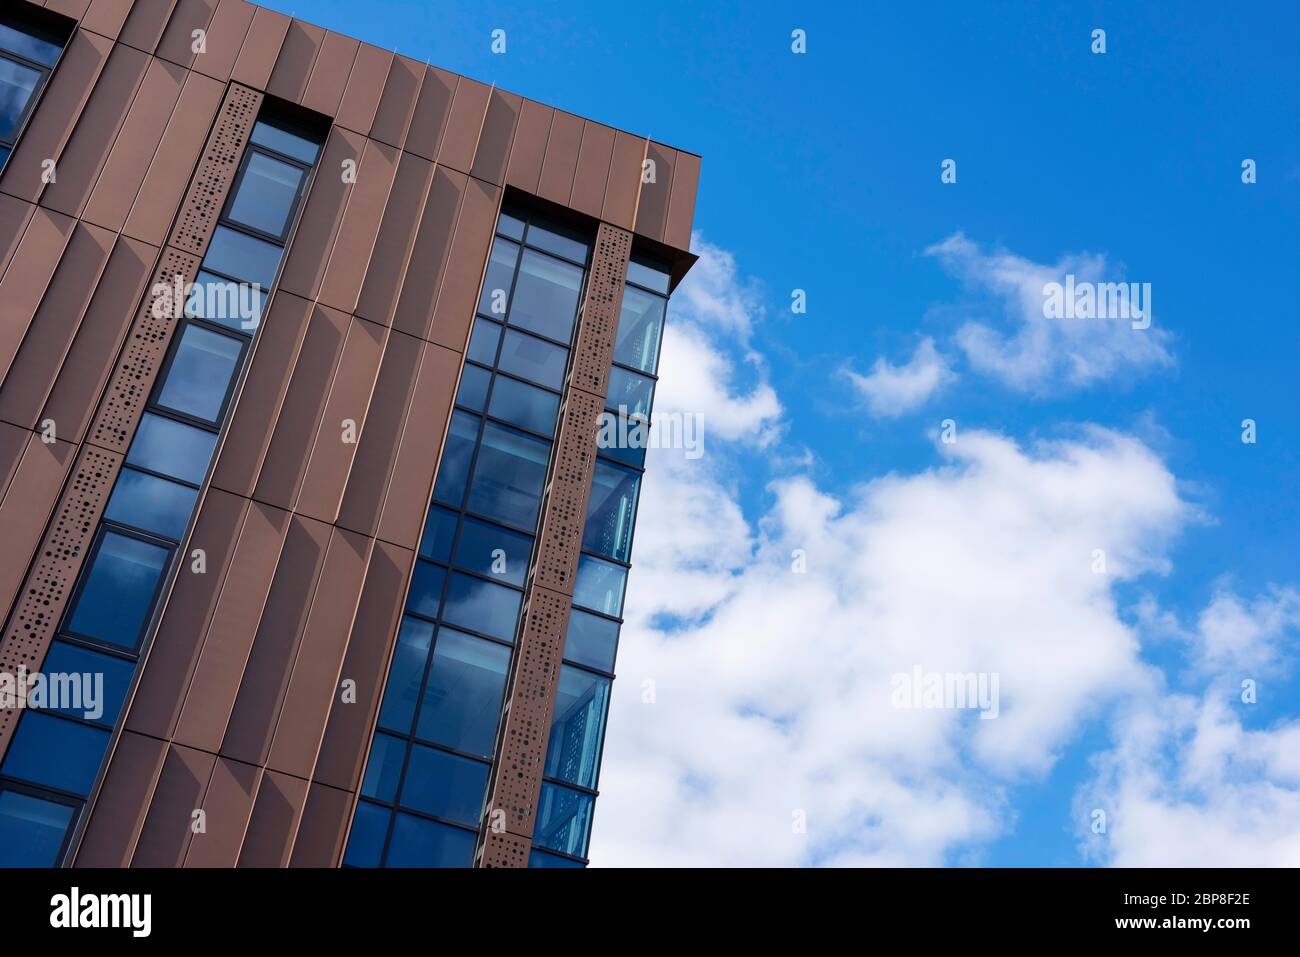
{"type": "Point", "coordinates": [13, 442]}
{"type": "Point", "coordinates": [323, 828]}
{"type": "Point", "coordinates": [464, 123]}
{"type": "Point", "coordinates": [295, 427]}
{"type": "Point", "coordinates": [173, 162]}
{"type": "Point", "coordinates": [503, 849]}
{"type": "Point", "coordinates": [376, 453]}
{"type": "Point", "coordinates": [593, 169]}
{"type": "Point", "coordinates": [88, 363]}
{"type": "Point", "coordinates": [397, 232]}
{"type": "Point", "coordinates": [431, 111]}
{"type": "Point", "coordinates": [493, 150]}
{"type": "Point", "coordinates": [369, 648]}
{"type": "Point", "coordinates": [351, 254]}
{"type": "Point", "coordinates": [270, 665]}
{"type": "Point", "coordinates": [59, 111]}
{"type": "Point", "coordinates": [269, 839]}
{"type": "Point", "coordinates": [249, 431]}
{"type": "Point", "coordinates": [528, 150]}
{"type": "Point", "coordinates": [228, 805]}
{"type": "Point", "coordinates": [144, 27]}
{"type": "Point", "coordinates": [226, 35]}
{"type": "Point", "coordinates": [118, 184]}
{"type": "Point", "coordinates": [681, 205]}
{"type": "Point", "coordinates": [27, 277]}
{"type": "Point", "coordinates": [562, 146]}
{"type": "Point", "coordinates": [119, 811]}
{"type": "Point", "coordinates": [417, 457]}
{"type": "Point", "coordinates": [464, 275]}
{"type": "Point", "coordinates": [257, 57]}
{"type": "Point", "coordinates": [315, 679]}
{"type": "Point", "coordinates": [398, 101]}
{"type": "Point", "coordinates": [177, 44]}
{"type": "Point", "coordinates": [215, 683]}
{"type": "Point", "coordinates": [69, 8]}
{"type": "Point", "coordinates": [365, 87]}
{"type": "Point", "coordinates": [97, 128]}
{"type": "Point", "coordinates": [24, 390]}
{"type": "Point", "coordinates": [309, 252]}
{"type": "Point", "coordinates": [165, 673]}
{"type": "Point", "coordinates": [182, 784]}
{"type": "Point", "coordinates": [106, 17]}
{"type": "Point", "coordinates": [349, 401]}
{"type": "Point", "coordinates": [419, 289]}
{"type": "Point", "coordinates": [15, 214]}
{"type": "Point", "coordinates": [624, 180]}
{"type": "Point", "coordinates": [26, 507]}
{"type": "Point", "coordinates": [329, 76]}
{"type": "Point", "coordinates": [652, 208]}
{"type": "Point", "coordinates": [293, 64]}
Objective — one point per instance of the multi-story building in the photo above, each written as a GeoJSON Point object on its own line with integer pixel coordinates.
{"type": "Point", "coordinates": [311, 555]}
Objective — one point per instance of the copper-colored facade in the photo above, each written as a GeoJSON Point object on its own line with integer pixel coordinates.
{"type": "Point", "coordinates": [308, 543]}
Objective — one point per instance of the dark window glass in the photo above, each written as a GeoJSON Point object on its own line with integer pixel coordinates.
{"type": "Point", "coordinates": [463, 696]}
{"type": "Point", "coordinates": [426, 589]}
{"type": "Point", "coordinates": [118, 590]}
{"type": "Point", "coordinates": [546, 295]}
{"type": "Point", "coordinates": [151, 504]}
{"type": "Point", "coordinates": [524, 405]}
{"type": "Point", "coordinates": [421, 843]}
{"type": "Point", "coordinates": [200, 375]}
{"type": "Point", "coordinates": [629, 393]}
{"type": "Point", "coordinates": [495, 297]}
{"type": "Point", "coordinates": [599, 585]}
{"type": "Point", "coordinates": [483, 342]}
{"type": "Point", "coordinates": [243, 256]}
{"type": "Point", "coordinates": [611, 510]}
{"type": "Point", "coordinates": [444, 785]}
{"type": "Point", "coordinates": [493, 551]}
{"type": "Point", "coordinates": [512, 226]}
{"type": "Point", "coordinates": [15, 39]}
{"type": "Point", "coordinates": [538, 858]}
{"type": "Point", "coordinates": [100, 704]}
{"type": "Point", "coordinates": [577, 727]}
{"type": "Point", "coordinates": [31, 830]}
{"type": "Point", "coordinates": [172, 448]}
{"type": "Point", "coordinates": [366, 841]}
{"type": "Point", "coordinates": [557, 239]}
{"type": "Point", "coordinates": [530, 358]}
{"type": "Point", "coordinates": [482, 606]}
{"type": "Point", "coordinates": [286, 142]}
{"type": "Point", "coordinates": [508, 476]}
{"type": "Point", "coordinates": [265, 196]}
{"type": "Point", "coordinates": [18, 83]}
{"type": "Point", "coordinates": [235, 305]}
{"type": "Point", "coordinates": [623, 439]}
{"type": "Point", "coordinates": [55, 752]}
{"type": "Point", "coordinates": [640, 324]}
{"type": "Point", "coordinates": [4, 156]}
{"type": "Point", "coordinates": [405, 675]}
{"type": "Point", "coordinates": [563, 820]}
{"type": "Point", "coordinates": [453, 470]}
{"type": "Point", "coordinates": [439, 530]}
{"type": "Point", "coordinates": [473, 388]}
{"type": "Point", "coordinates": [649, 273]}
{"type": "Point", "coordinates": [384, 768]}
{"type": "Point", "coordinates": [591, 640]}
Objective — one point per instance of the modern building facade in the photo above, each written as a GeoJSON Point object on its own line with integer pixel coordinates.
{"type": "Point", "coordinates": [311, 554]}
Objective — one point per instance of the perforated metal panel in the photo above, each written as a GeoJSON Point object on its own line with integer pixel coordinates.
{"type": "Point", "coordinates": [216, 170]}
{"type": "Point", "coordinates": [45, 593]}
{"type": "Point", "coordinates": [521, 751]}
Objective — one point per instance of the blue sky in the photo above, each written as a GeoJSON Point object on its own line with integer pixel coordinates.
{"type": "Point", "coordinates": [822, 172]}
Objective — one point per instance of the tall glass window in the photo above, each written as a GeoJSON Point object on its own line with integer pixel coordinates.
{"type": "Point", "coordinates": [55, 756]}
{"type": "Point", "coordinates": [30, 45]}
{"type": "Point", "coordinates": [572, 767]}
{"type": "Point", "coordinates": [422, 798]}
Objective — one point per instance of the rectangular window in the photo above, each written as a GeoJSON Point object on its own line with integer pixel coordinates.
{"type": "Point", "coordinates": [611, 510]}
{"type": "Point", "coordinates": [524, 405]}
{"type": "Point", "coordinates": [226, 302]}
{"type": "Point", "coordinates": [117, 590]}
{"type": "Point", "coordinates": [473, 389]}
{"type": "Point", "coordinates": [629, 394]}
{"type": "Point", "coordinates": [243, 257]}
{"type": "Point", "coordinates": [489, 609]}
{"type": "Point", "coordinates": [266, 194]}
{"type": "Point", "coordinates": [640, 326]}
{"type": "Point", "coordinates": [439, 533]}
{"type": "Point", "coordinates": [599, 586]}
{"type": "Point", "coordinates": [32, 829]}
{"type": "Point", "coordinates": [151, 504]}
{"type": "Point", "coordinates": [546, 296]}
{"type": "Point", "coordinates": [405, 675]}
{"type": "Point", "coordinates": [420, 843]}
{"type": "Point", "coordinates": [563, 819]}
{"type": "Point", "coordinates": [530, 358]}
{"type": "Point", "coordinates": [462, 698]}
{"type": "Point", "coordinates": [200, 374]}
{"type": "Point", "coordinates": [591, 640]}
{"type": "Point", "coordinates": [483, 342]}
{"type": "Point", "coordinates": [384, 768]}
{"type": "Point", "coordinates": [55, 752]}
{"type": "Point", "coordinates": [508, 476]}
{"type": "Point", "coordinates": [457, 454]}
{"type": "Point", "coordinates": [426, 589]}
{"type": "Point", "coordinates": [493, 552]}
{"type": "Point", "coordinates": [498, 280]}
{"type": "Point", "coordinates": [369, 831]}
{"type": "Point", "coordinates": [172, 448]}
{"type": "Point", "coordinates": [102, 705]}
{"type": "Point", "coordinates": [444, 785]}
{"type": "Point", "coordinates": [577, 727]}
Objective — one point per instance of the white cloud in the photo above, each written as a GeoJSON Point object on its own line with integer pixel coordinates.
{"type": "Point", "coordinates": [1036, 354]}
{"type": "Point", "coordinates": [892, 390]}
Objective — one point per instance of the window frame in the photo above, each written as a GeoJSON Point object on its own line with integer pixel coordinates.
{"type": "Point", "coordinates": [290, 220]}
{"type": "Point", "coordinates": [53, 796]}
{"type": "Point", "coordinates": [173, 349]}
